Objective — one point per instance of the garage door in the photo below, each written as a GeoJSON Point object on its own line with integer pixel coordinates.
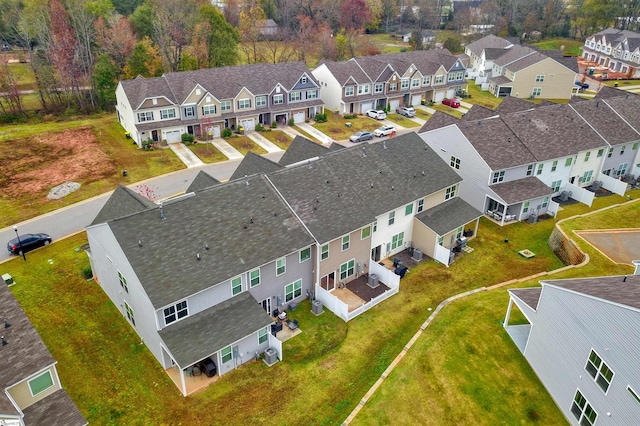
{"type": "Point", "coordinates": [394, 105]}
{"type": "Point", "coordinates": [214, 131]}
{"type": "Point", "coordinates": [451, 93]}
{"type": "Point", "coordinates": [366, 106]}
{"type": "Point", "coordinates": [439, 96]}
{"type": "Point", "coordinates": [415, 100]}
{"type": "Point", "coordinates": [298, 117]}
{"type": "Point", "coordinates": [172, 136]}
{"type": "Point", "coordinates": [248, 124]}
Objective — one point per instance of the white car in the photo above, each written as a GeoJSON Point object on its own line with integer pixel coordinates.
{"type": "Point", "coordinates": [406, 111]}
{"type": "Point", "coordinates": [378, 114]}
{"type": "Point", "coordinates": [384, 131]}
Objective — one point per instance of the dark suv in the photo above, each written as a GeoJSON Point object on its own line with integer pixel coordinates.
{"type": "Point", "coordinates": [28, 242]}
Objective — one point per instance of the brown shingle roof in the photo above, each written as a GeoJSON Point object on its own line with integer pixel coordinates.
{"type": "Point", "coordinates": [530, 296]}
{"type": "Point", "coordinates": [516, 191]}
{"type": "Point", "coordinates": [486, 42]}
{"type": "Point", "coordinates": [439, 119]}
{"type": "Point", "coordinates": [605, 121]}
{"type": "Point", "coordinates": [612, 289]}
{"type": "Point", "coordinates": [513, 104]}
{"type": "Point", "coordinates": [478, 112]}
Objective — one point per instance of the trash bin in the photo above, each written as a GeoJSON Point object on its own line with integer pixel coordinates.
{"type": "Point", "coordinates": [316, 307]}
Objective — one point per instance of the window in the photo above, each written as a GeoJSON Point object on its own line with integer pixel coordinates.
{"type": "Point", "coordinates": [586, 156]}
{"type": "Point", "coordinates": [244, 103]}
{"type": "Point", "coordinates": [459, 232]}
{"type": "Point", "coordinates": [208, 109]}
{"type": "Point", "coordinates": [583, 411]}
{"type": "Point", "coordinates": [498, 177]}
{"type": "Point", "coordinates": [225, 106]}
{"type": "Point", "coordinates": [450, 192]}
{"type": "Point", "coordinates": [540, 167]}
{"type": "Point", "coordinates": [404, 83]}
{"type": "Point", "coordinates": [254, 277]}
{"type": "Point", "coordinates": [176, 312]}
{"type": "Point", "coordinates": [568, 162]}
{"type": "Point", "coordinates": [426, 81]}
{"type": "Point", "coordinates": [635, 146]}
{"type": "Point", "coordinates": [622, 149]}
{"type": "Point", "coordinates": [599, 371]}
{"type": "Point", "coordinates": [363, 89]}
{"type": "Point", "coordinates": [123, 282]}
{"type": "Point", "coordinates": [545, 202]}
{"type": "Point", "coordinates": [393, 87]}
{"type": "Point", "coordinates": [41, 383]}
{"type": "Point", "coordinates": [554, 166]}
{"type": "Point", "coordinates": [536, 91]}
{"type": "Point", "coordinates": [129, 312]}
{"type": "Point", "coordinates": [145, 116]}
{"type": "Point", "coordinates": [438, 79]}
{"type": "Point", "coordinates": [539, 78]}
{"type": "Point", "coordinates": [312, 94]}
{"type": "Point", "coordinates": [555, 185]}
{"type": "Point", "coordinates": [303, 80]}
{"type": "Point", "coordinates": [455, 162]}
{"type": "Point", "coordinates": [392, 218]}
{"type": "Point", "coordinates": [261, 101]}
{"type": "Point", "coordinates": [324, 252]}
{"type": "Point", "coordinates": [525, 207]}
{"type": "Point", "coordinates": [281, 266]}
{"type": "Point", "coordinates": [529, 169]}
{"type": "Point", "coordinates": [415, 82]}
{"type": "Point", "coordinates": [189, 112]}
{"type": "Point", "coordinates": [622, 169]}
{"type": "Point", "coordinates": [397, 241]}
{"type": "Point", "coordinates": [610, 153]}
{"type": "Point", "coordinates": [587, 176]}
{"type": "Point", "coordinates": [263, 335]}
{"type": "Point", "coordinates": [375, 226]}
{"type": "Point", "coordinates": [440, 241]}
{"type": "Point", "coordinates": [348, 91]}
{"type": "Point", "coordinates": [420, 205]}
{"type": "Point", "coordinates": [167, 113]}
{"type": "Point", "coordinates": [295, 96]}
{"type": "Point", "coordinates": [600, 152]}
{"type": "Point", "coordinates": [236, 285]}
{"type": "Point", "coordinates": [378, 88]}
{"type": "Point", "coordinates": [278, 99]}
{"type": "Point", "coordinates": [634, 394]}
{"type": "Point", "coordinates": [345, 242]}
{"type": "Point", "coordinates": [225, 354]}
{"type": "Point", "coordinates": [347, 269]}
{"type": "Point", "coordinates": [305, 254]}
{"type": "Point", "coordinates": [365, 233]}
{"type": "Point", "coordinates": [451, 76]}
{"type": "Point", "coordinates": [293, 290]}
{"type": "Point", "coordinates": [408, 209]}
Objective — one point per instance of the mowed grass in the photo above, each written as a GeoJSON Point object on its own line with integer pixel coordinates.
{"type": "Point", "coordinates": [206, 152]}
{"type": "Point", "coordinates": [481, 97]}
{"type": "Point", "coordinates": [336, 125]}
{"type": "Point", "coordinates": [243, 144]}
{"type": "Point", "coordinates": [278, 137]}
{"type": "Point", "coordinates": [571, 47]}
{"type": "Point", "coordinates": [403, 121]}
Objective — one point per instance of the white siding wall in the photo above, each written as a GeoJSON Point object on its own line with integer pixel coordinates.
{"type": "Point", "coordinates": [580, 166]}
{"type": "Point", "coordinates": [566, 328]}
{"type": "Point", "coordinates": [562, 172]}
{"type": "Point", "coordinates": [331, 94]}
{"type": "Point", "coordinates": [385, 232]}
{"type": "Point", "coordinates": [127, 117]}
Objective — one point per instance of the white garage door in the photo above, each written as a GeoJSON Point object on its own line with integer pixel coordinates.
{"type": "Point", "coordinates": [439, 96]}
{"type": "Point", "coordinates": [451, 93]}
{"type": "Point", "coordinates": [298, 117]}
{"type": "Point", "coordinates": [214, 131]}
{"type": "Point", "coordinates": [172, 136]}
{"type": "Point", "coordinates": [366, 106]}
{"type": "Point", "coordinates": [248, 124]}
{"type": "Point", "coordinates": [394, 105]}
{"type": "Point", "coordinates": [415, 100]}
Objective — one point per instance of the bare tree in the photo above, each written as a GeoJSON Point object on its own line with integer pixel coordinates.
{"type": "Point", "coordinates": [115, 37]}
{"type": "Point", "coordinates": [172, 29]}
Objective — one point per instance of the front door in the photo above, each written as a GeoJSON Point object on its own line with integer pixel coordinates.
{"type": "Point", "coordinates": [328, 282]}
{"type": "Point", "coordinates": [154, 135]}
{"type": "Point", "coordinates": [375, 253]}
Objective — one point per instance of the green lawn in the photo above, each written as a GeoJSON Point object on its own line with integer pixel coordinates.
{"type": "Point", "coordinates": [571, 47]}
{"type": "Point", "coordinates": [207, 152]}
{"type": "Point", "coordinates": [278, 137]}
{"type": "Point", "coordinates": [336, 125]}
{"type": "Point", "coordinates": [616, 83]}
{"type": "Point", "coordinates": [24, 75]}
{"type": "Point", "coordinates": [243, 144]}
{"type": "Point", "coordinates": [482, 97]}
{"type": "Point", "coordinates": [403, 121]}
{"type": "Point", "coordinates": [451, 111]}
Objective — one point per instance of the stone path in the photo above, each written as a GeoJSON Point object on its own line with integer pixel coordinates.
{"type": "Point", "coordinates": [185, 155]}
{"type": "Point", "coordinates": [227, 150]}
{"type": "Point", "coordinates": [263, 142]}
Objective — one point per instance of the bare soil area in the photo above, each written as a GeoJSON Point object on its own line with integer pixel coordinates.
{"type": "Point", "coordinates": [31, 167]}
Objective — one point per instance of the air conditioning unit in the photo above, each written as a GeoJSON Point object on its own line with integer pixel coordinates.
{"type": "Point", "coordinates": [373, 281]}
{"type": "Point", "coordinates": [417, 255]}
{"type": "Point", "coordinates": [533, 218]}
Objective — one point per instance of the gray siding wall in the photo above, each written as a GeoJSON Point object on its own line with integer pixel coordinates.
{"type": "Point", "coordinates": [616, 159]}
{"type": "Point", "coordinates": [247, 348]}
{"type": "Point", "coordinates": [565, 330]}
{"type": "Point", "coordinates": [449, 141]}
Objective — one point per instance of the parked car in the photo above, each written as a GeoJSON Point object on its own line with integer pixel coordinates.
{"type": "Point", "coordinates": [452, 102]}
{"type": "Point", "coordinates": [361, 136]}
{"type": "Point", "coordinates": [208, 367]}
{"type": "Point", "coordinates": [27, 243]}
{"type": "Point", "coordinates": [581, 85]}
{"type": "Point", "coordinates": [407, 111]}
{"type": "Point", "coordinates": [384, 131]}
{"type": "Point", "coordinates": [378, 114]}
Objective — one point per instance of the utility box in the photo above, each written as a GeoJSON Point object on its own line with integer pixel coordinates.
{"type": "Point", "coordinates": [316, 307]}
{"type": "Point", "coordinates": [270, 356]}
{"type": "Point", "coordinates": [8, 279]}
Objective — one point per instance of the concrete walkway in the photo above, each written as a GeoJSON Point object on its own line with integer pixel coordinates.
{"type": "Point", "coordinates": [227, 150]}
{"type": "Point", "coordinates": [426, 109]}
{"type": "Point", "coordinates": [290, 131]}
{"type": "Point", "coordinates": [265, 143]}
{"type": "Point", "coordinates": [185, 155]}
{"type": "Point", "coordinates": [315, 133]}
{"type": "Point", "coordinates": [632, 89]}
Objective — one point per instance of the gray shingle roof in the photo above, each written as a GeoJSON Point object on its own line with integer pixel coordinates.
{"type": "Point", "coordinates": [486, 42]}
{"type": "Point", "coordinates": [530, 296]}
{"type": "Point", "coordinates": [527, 61]}
{"type": "Point", "coordinates": [448, 216]}
{"type": "Point", "coordinates": [56, 409]}
{"type": "Point", "coordinates": [612, 289]}
{"type": "Point", "coordinates": [253, 164]}
{"type": "Point", "coordinates": [220, 217]}
{"type": "Point", "coordinates": [627, 106]}
{"type": "Point", "coordinates": [323, 200]}
{"type": "Point", "coordinates": [513, 104]}
{"type": "Point", "coordinates": [121, 203]}
{"type": "Point", "coordinates": [478, 112]}
{"type": "Point", "coordinates": [513, 54]}
{"type": "Point", "coordinates": [606, 122]}
{"type": "Point", "coordinates": [343, 71]}
{"type": "Point", "coordinates": [438, 120]}
{"type": "Point", "coordinates": [516, 191]}
{"type": "Point", "coordinates": [301, 149]}
{"type": "Point", "coordinates": [607, 92]}
{"type": "Point", "coordinates": [202, 181]}
{"type": "Point", "coordinates": [198, 336]}
{"type": "Point", "coordinates": [500, 80]}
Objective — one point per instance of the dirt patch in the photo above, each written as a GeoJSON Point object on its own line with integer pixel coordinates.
{"type": "Point", "coordinates": [31, 167]}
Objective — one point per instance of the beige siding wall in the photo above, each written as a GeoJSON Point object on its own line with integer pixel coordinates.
{"type": "Point", "coordinates": [558, 80]}
{"type": "Point", "coordinates": [195, 96]}
{"type": "Point", "coordinates": [359, 250]}
{"type": "Point", "coordinates": [423, 238]}
{"type": "Point", "coordinates": [22, 395]}
{"type": "Point", "coordinates": [244, 94]}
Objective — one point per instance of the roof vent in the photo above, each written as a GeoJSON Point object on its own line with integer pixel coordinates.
{"type": "Point", "coordinates": [597, 104]}
{"type": "Point", "coordinates": [139, 243]}
{"type": "Point", "coordinates": [309, 164]}
{"type": "Point", "coordinates": [275, 214]}
{"type": "Point", "coordinates": [624, 280]}
{"type": "Point", "coordinates": [327, 181]}
{"type": "Point", "coordinates": [384, 144]}
{"type": "Point", "coordinates": [4, 342]}
{"type": "Point", "coordinates": [371, 185]}
{"type": "Point", "coordinates": [392, 187]}
{"type": "Point", "coordinates": [364, 153]}
{"type": "Point", "coordinates": [246, 180]}
{"type": "Point", "coordinates": [423, 173]}
{"type": "Point", "coordinates": [338, 195]}
{"type": "Point", "coordinates": [162, 216]}
{"type": "Point", "coordinates": [317, 200]}
{"type": "Point", "coordinates": [6, 323]}
{"type": "Point", "coordinates": [206, 246]}
{"type": "Point", "coordinates": [251, 219]}
{"type": "Point", "coordinates": [198, 256]}
{"type": "Point", "coordinates": [509, 139]}
{"type": "Point", "coordinates": [479, 123]}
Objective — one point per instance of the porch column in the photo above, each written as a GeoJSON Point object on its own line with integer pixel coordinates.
{"type": "Point", "coordinates": [506, 318]}
{"type": "Point", "coordinates": [475, 231]}
{"type": "Point", "coordinates": [182, 382]}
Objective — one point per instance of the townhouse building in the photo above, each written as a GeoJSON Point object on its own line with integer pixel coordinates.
{"type": "Point", "coordinates": [617, 50]}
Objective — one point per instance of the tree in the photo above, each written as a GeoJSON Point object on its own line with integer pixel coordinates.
{"type": "Point", "coordinates": [105, 80]}
{"type": "Point", "coordinates": [11, 103]}
{"type": "Point", "coordinates": [389, 11]}
{"type": "Point", "coordinates": [172, 28]}
{"type": "Point", "coordinates": [115, 37]}
{"type": "Point", "coordinates": [376, 11]}
{"type": "Point", "coordinates": [305, 38]}
{"type": "Point", "coordinates": [250, 29]}
{"type": "Point", "coordinates": [142, 21]}
{"type": "Point", "coordinates": [126, 7]}
{"type": "Point", "coordinates": [144, 60]}
{"type": "Point", "coordinates": [354, 15]}
{"type": "Point", "coordinates": [222, 39]}
{"type": "Point", "coordinates": [452, 44]}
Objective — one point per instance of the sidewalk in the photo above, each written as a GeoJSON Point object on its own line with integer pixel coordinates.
{"type": "Point", "coordinates": [185, 154]}
{"type": "Point", "coordinates": [226, 149]}
{"type": "Point", "coordinates": [426, 109]}
{"type": "Point", "coordinates": [265, 143]}
{"type": "Point", "coordinates": [315, 133]}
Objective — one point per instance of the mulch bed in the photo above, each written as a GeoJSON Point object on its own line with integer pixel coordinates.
{"type": "Point", "coordinates": [360, 288]}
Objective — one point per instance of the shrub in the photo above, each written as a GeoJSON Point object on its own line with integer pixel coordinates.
{"type": "Point", "coordinates": [321, 118]}
{"type": "Point", "coordinates": [87, 272]}
{"type": "Point", "coordinates": [274, 124]}
{"type": "Point", "coordinates": [259, 128]}
{"type": "Point", "coordinates": [187, 138]}
{"type": "Point", "coordinates": [291, 122]}
{"type": "Point", "coordinates": [226, 133]}
{"type": "Point", "coordinates": [350, 116]}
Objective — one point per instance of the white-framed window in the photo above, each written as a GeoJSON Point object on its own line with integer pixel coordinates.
{"type": "Point", "coordinates": [622, 169]}
{"type": "Point", "coordinates": [420, 205]}
{"type": "Point", "coordinates": [278, 99]}
{"type": "Point", "coordinates": [634, 146]}
{"type": "Point", "coordinates": [415, 82]}
{"type": "Point", "coordinates": [439, 79]}
{"type": "Point", "coordinates": [392, 218]}
{"type": "Point", "coordinates": [254, 277]}
{"type": "Point", "coordinates": [568, 162]}
{"type": "Point", "coordinates": [303, 80]}
{"type": "Point", "coordinates": [244, 103]}
{"type": "Point", "coordinates": [455, 162]}
{"type": "Point", "coordinates": [393, 87]}
{"type": "Point", "coordinates": [225, 354]}
{"type": "Point", "coordinates": [554, 166]}
{"type": "Point", "coordinates": [263, 335]}
{"type": "Point", "coordinates": [363, 89]}
{"type": "Point", "coordinates": [130, 316]}
{"type": "Point", "coordinates": [426, 80]}
{"type": "Point", "coordinates": [189, 112]}
{"type": "Point", "coordinates": [459, 232]}
{"type": "Point", "coordinates": [540, 167]}
{"type": "Point", "coordinates": [346, 242]}
{"type": "Point", "coordinates": [305, 254]}
{"type": "Point", "coordinates": [450, 192]}
{"type": "Point", "coordinates": [555, 185]}
{"type": "Point", "coordinates": [236, 286]}
{"type": "Point", "coordinates": [624, 147]}
{"type": "Point", "coordinates": [498, 177]}
{"type": "Point", "coordinates": [281, 266]}
{"type": "Point", "coordinates": [293, 290]}
{"type": "Point", "coordinates": [545, 202]}
{"type": "Point", "coordinates": [41, 383]}
{"type": "Point", "coordinates": [295, 96]}
{"type": "Point", "coordinates": [529, 169]}
{"type": "Point", "coordinates": [208, 109]}
{"type": "Point", "coordinates": [451, 76]}
{"type": "Point", "coordinates": [347, 269]}
{"type": "Point", "coordinates": [349, 91]}
{"type": "Point", "coordinates": [123, 282]}
{"type": "Point", "coordinates": [539, 78]}
{"type": "Point", "coordinates": [610, 153]}
{"type": "Point", "coordinates": [634, 394]}
{"type": "Point", "coordinates": [175, 312]}
{"type": "Point", "coordinates": [225, 106]}
{"type": "Point", "coordinates": [440, 241]}
{"type": "Point", "coordinates": [312, 94]}
{"type": "Point", "coordinates": [536, 91]}
{"type": "Point", "coordinates": [586, 156]}
{"type": "Point", "coordinates": [582, 410]}
{"type": "Point", "coordinates": [599, 371]}
{"type": "Point", "coordinates": [525, 207]}
{"type": "Point", "coordinates": [408, 209]}
{"type": "Point", "coordinates": [404, 83]}
{"type": "Point", "coordinates": [324, 252]}
{"type": "Point", "coordinates": [167, 113]}
{"type": "Point", "coordinates": [397, 241]}
{"type": "Point", "coordinates": [588, 175]}
{"type": "Point", "coordinates": [261, 101]}
{"type": "Point", "coordinates": [145, 116]}
{"type": "Point", "coordinates": [365, 232]}
{"type": "Point", "coordinates": [378, 88]}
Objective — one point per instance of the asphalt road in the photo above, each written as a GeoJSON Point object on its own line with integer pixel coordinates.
{"type": "Point", "coordinates": [75, 218]}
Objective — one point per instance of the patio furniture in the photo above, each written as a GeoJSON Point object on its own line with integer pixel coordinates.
{"type": "Point", "coordinates": [276, 327]}
{"type": "Point", "coordinates": [282, 315]}
{"type": "Point", "coordinates": [293, 325]}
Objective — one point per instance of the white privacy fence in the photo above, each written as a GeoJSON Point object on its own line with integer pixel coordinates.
{"type": "Point", "coordinates": [580, 194]}
{"type": "Point", "coordinates": [275, 344]}
{"type": "Point", "coordinates": [612, 184]}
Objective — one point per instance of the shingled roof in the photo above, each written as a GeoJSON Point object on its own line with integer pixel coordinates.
{"type": "Point", "coordinates": [301, 149]}
{"type": "Point", "coordinates": [445, 217]}
{"type": "Point", "coordinates": [513, 104]}
{"type": "Point", "coordinates": [530, 296]}
{"type": "Point", "coordinates": [478, 112]}
{"type": "Point", "coordinates": [627, 106]}
{"type": "Point", "coordinates": [253, 164]}
{"type": "Point", "coordinates": [621, 290]}
{"type": "Point", "coordinates": [611, 126]}
{"type": "Point", "coordinates": [516, 191]}
{"type": "Point", "coordinates": [121, 203]}
{"type": "Point", "coordinates": [438, 120]}
{"type": "Point", "coordinates": [202, 181]}
{"type": "Point", "coordinates": [488, 42]}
